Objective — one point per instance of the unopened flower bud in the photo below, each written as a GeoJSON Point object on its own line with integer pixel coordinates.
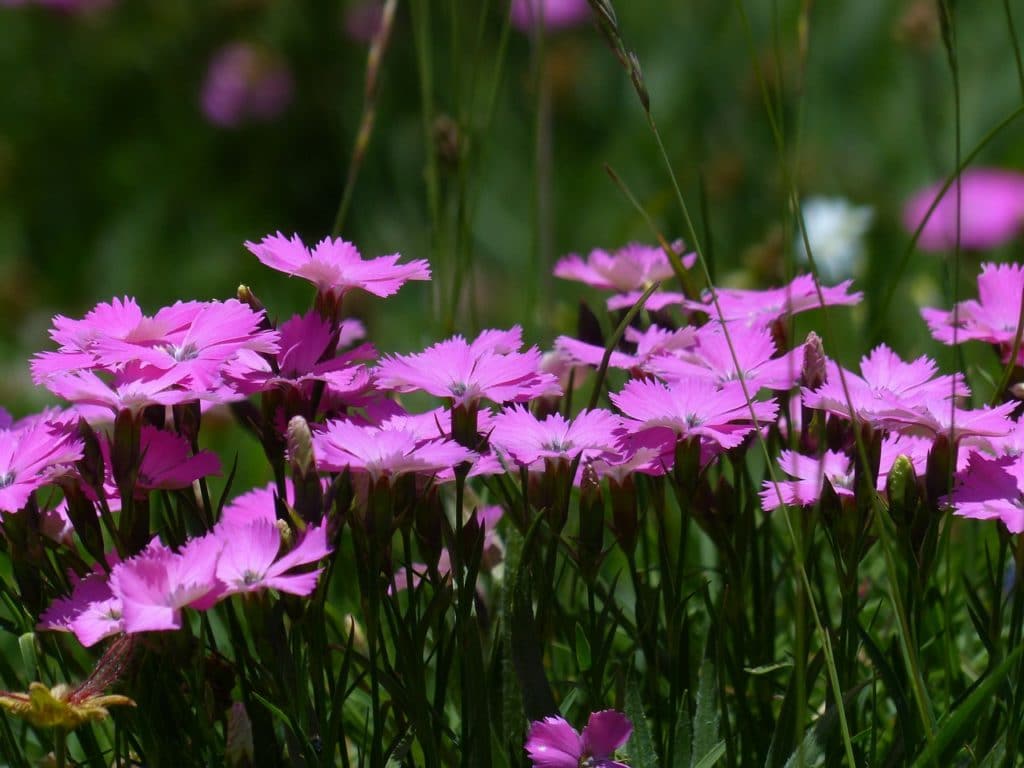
{"type": "Point", "coordinates": [591, 538]}
{"type": "Point", "coordinates": [813, 372]}
{"type": "Point", "coordinates": [353, 633]}
{"type": "Point", "coordinates": [239, 750]}
{"type": "Point", "coordinates": [901, 489]}
{"type": "Point", "coordinates": [300, 446]}
{"type": "Point", "coordinates": [624, 513]}
{"type": "Point", "coordinates": [90, 466]}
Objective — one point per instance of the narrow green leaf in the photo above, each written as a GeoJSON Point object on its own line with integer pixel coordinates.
{"type": "Point", "coordinates": [641, 743]}
{"type": "Point", "coordinates": [712, 757]}
{"type": "Point", "coordinates": [705, 719]}
{"type": "Point", "coordinates": [955, 726]}
{"type": "Point", "coordinates": [583, 659]}
{"type": "Point", "coordinates": [683, 738]}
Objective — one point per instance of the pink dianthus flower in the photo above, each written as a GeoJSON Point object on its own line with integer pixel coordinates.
{"type": "Point", "coordinates": [762, 308]}
{"type": "Point", "coordinates": [527, 439]}
{"type": "Point", "coordinates": [31, 457]}
{"type": "Point", "coordinates": [244, 83]}
{"type": "Point", "coordinates": [553, 743]}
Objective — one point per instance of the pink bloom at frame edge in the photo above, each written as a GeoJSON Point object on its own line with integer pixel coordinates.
{"type": "Point", "coordinates": [553, 743]}
{"type": "Point", "coordinates": [991, 211]}
{"type": "Point", "coordinates": [557, 14]}
{"type": "Point", "coordinates": [335, 265]}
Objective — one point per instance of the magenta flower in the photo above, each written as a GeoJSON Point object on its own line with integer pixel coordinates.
{"type": "Point", "coordinates": [258, 504]}
{"type": "Point", "coordinates": [991, 211]}
{"type": "Point", "coordinates": [383, 452]}
{"type": "Point", "coordinates": [126, 391]}
{"type": "Point", "coordinates": [628, 271]}
{"type": "Point", "coordinates": [712, 358]}
{"type": "Point", "coordinates": [31, 457]}
{"type": "Point", "coordinates": [992, 318]}
{"type": "Point", "coordinates": [157, 583]}
{"type": "Point", "coordinates": [556, 14]}
{"type": "Point", "coordinates": [92, 612]}
{"type": "Point", "coordinates": [811, 473]}
{"type": "Point", "coordinates": [527, 439]}
{"type": "Point", "coordinates": [245, 83]}
{"type": "Point", "coordinates": [335, 266]}
{"type": "Point", "coordinates": [215, 335]}
{"type": "Point", "coordinates": [467, 372]}
{"type": "Point", "coordinates": [721, 416]}
{"type": "Point", "coordinates": [553, 743]}
{"type": "Point", "coordinates": [932, 419]}
{"type": "Point", "coordinates": [762, 308]}
{"type": "Point", "coordinates": [305, 355]}
{"type": "Point", "coordinates": [991, 489]}
{"type": "Point", "coordinates": [249, 561]}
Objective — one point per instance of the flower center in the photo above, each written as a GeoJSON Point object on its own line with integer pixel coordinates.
{"type": "Point", "coordinates": [251, 577]}
{"type": "Point", "coordinates": [558, 446]}
{"type": "Point", "coordinates": [7, 478]}
{"type": "Point", "coordinates": [184, 352]}
{"type": "Point", "coordinates": [457, 388]}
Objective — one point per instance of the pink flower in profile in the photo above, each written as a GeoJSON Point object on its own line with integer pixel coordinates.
{"type": "Point", "coordinates": [992, 318]}
{"type": "Point", "coordinates": [126, 391]}
{"type": "Point", "coordinates": [250, 561]}
{"type": "Point", "coordinates": [628, 272]}
{"type": "Point", "coordinates": [991, 211]}
{"type": "Point", "coordinates": [888, 384]}
{"type": "Point", "coordinates": [932, 419]}
{"type": "Point", "coordinates": [991, 489]}
{"type": "Point", "coordinates": [762, 308]}
{"type": "Point", "coordinates": [245, 83]}
{"type": "Point", "coordinates": [31, 457]}
{"type": "Point", "coordinates": [487, 368]}
{"type": "Point", "coordinates": [556, 14]}
{"type": "Point", "coordinates": [334, 266]}
{"type": "Point", "coordinates": [553, 743]}
{"type": "Point", "coordinates": [305, 355]}
{"type": "Point", "coordinates": [811, 473]}
{"type": "Point", "coordinates": [383, 452]}
{"type": "Point", "coordinates": [692, 407]}
{"type": "Point", "coordinates": [649, 343]}
{"type": "Point", "coordinates": [157, 583]}
{"type": "Point", "coordinates": [527, 439]}
{"type": "Point", "coordinates": [712, 358]}
{"type": "Point", "coordinates": [92, 612]}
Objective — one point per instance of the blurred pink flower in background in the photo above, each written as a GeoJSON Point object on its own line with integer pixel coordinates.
{"type": "Point", "coordinates": [64, 6]}
{"type": "Point", "coordinates": [245, 83]}
{"type": "Point", "coordinates": [991, 211]}
{"type": "Point", "coordinates": [362, 20]}
{"type": "Point", "coordinates": [558, 14]}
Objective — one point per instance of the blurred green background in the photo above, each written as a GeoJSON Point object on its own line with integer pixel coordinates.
{"type": "Point", "coordinates": [113, 182]}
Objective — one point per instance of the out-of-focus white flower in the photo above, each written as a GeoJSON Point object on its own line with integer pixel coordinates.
{"type": "Point", "coordinates": [835, 230]}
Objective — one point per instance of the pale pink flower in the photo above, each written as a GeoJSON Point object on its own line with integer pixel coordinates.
{"type": "Point", "coordinates": [628, 272]}
{"type": "Point", "coordinates": [466, 373]}
{"type": "Point", "coordinates": [811, 473]}
{"type": "Point", "coordinates": [694, 407]}
{"type": "Point", "coordinates": [712, 358]}
{"type": "Point", "coordinates": [249, 561]}
{"type": "Point", "coordinates": [245, 83]}
{"type": "Point", "coordinates": [126, 391]}
{"type": "Point", "coordinates": [991, 211]}
{"type": "Point", "coordinates": [992, 318]}
{"type": "Point", "coordinates": [553, 743]}
{"type": "Point", "coordinates": [762, 308]}
{"type": "Point", "coordinates": [383, 452]}
{"type": "Point", "coordinates": [335, 267]}
{"type": "Point", "coordinates": [528, 440]}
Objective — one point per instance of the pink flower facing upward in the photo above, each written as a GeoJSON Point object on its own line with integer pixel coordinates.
{"type": "Point", "coordinates": [762, 308]}
{"type": "Point", "coordinates": [383, 453]}
{"type": "Point", "coordinates": [32, 456]}
{"type": "Point", "coordinates": [556, 14]}
{"type": "Point", "coordinates": [889, 385]}
{"type": "Point", "coordinates": [245, 83]}
{"type": "Point", "coordinates": [553, 743]}
{"type": "Point", "coordinates": [335, 267]}
{"type": "Point", "coordinates": [712, 358]}
{"type": "Point", "coordinates": [628, 272]}
{"type": "Point", "coordinates": [488, 368]}
{"type": "Point", "coordinates": [991, 211]}
{"type": "Point", "coordinates": [693, 407]}
{"type": "Point", "coordinates": [533, 442]}
{"type": "Point", "coordinates": [992, 318]}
